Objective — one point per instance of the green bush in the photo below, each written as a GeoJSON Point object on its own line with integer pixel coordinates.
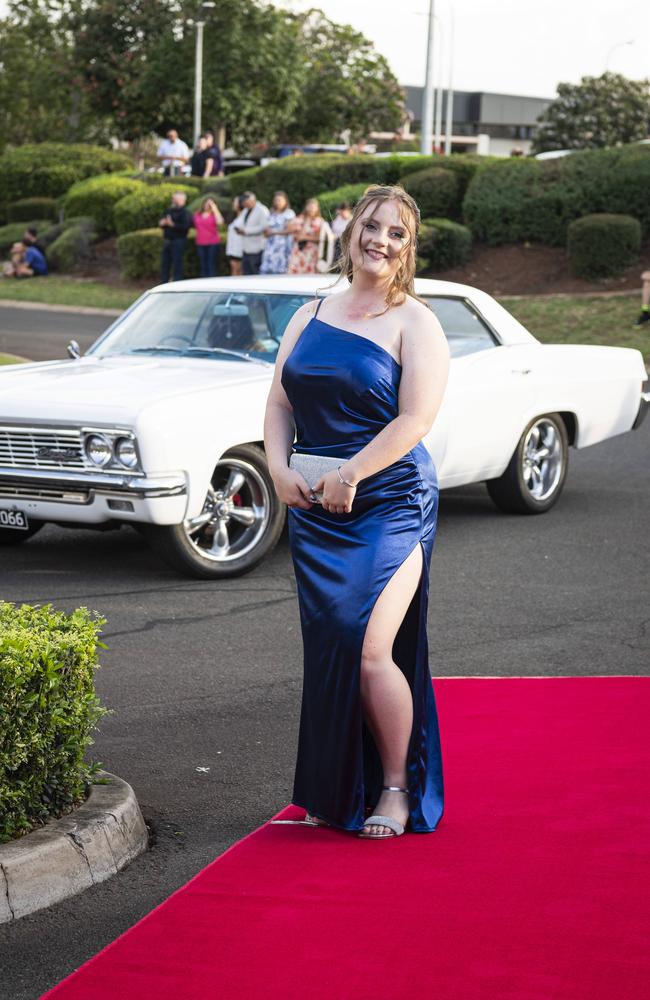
{"type": "Point", "coordinates": [328, 200]}
{"type": "Point", "coordinates": [14, 231]}
{"type": "Point", "coordinates": [528, 199]}
{"type": "Point", "coordinates": [444, 244]}
{"type": "Point", "coordinates": [601, 244]}
{"type": "Point", "coordinates": [436, 192]}
{"type": "Point", "coordinates": [73, 246]}
{"type": "Point", "coordinates": [48, 709]}
{"type": "Point", "coordinates": [97, 197]}
{"type": "Point", "coordinates": [139, 253]}
{"type": "Point", "coordinates": [47, 169]}
{"type": "Point", "coordinates": [32, 208]}
{"type": "Point", "coordinates": [145, 207]}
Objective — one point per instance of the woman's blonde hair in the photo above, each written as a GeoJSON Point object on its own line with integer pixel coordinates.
{"type": "Point", "coordinates": [403, 280]}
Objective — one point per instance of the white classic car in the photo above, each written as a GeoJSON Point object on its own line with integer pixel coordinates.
{"type": "Point", "coordinates": [160, 423]}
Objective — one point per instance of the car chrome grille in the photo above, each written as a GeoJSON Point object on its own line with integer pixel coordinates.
{"type": "Point", "coordinates": [40, 448]}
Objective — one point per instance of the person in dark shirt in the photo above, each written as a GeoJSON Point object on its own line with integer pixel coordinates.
{"type": "Point", "coordinates": [175, 225]}
{"type": "Point", "coordinates": [26, 262]}
{"type": "Point", "coordinates": [213, 157]}
{"type": "Point", "coordinates": [30, 239]}
{"type": "Point", "coordinates": [198, 158]}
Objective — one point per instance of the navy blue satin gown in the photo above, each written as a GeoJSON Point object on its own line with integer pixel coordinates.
{"type": "Point", "coordinates": [343, 388]}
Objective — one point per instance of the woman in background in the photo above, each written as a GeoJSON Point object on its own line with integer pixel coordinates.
{"type": "Point", "coordinates": [234, 240]}
{"type": "Point", "coordinates": [208, 238]}
{"type": "Point", "coordinates": [306, 231]}
{"type": "Point", "coordinates": [277, 250]}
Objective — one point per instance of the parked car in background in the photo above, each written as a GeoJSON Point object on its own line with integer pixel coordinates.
{"type": "Point", "coordinates": [160, 424]}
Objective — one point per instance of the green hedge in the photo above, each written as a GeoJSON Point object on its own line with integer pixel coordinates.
{"type": "Point", "coordinates": [528, 199]}
{"type": "Point", "coordinates": [139, 253]}
{"type": "Point", "coordinates": [601, 244]}
{"type": "Point", "coordinates": [47, 169]}
{"type": "Point", "coordinates": [328, 200]}
{"type": "Point", "coordinates": [48, 709]}
{"type": "Point", "coordinates": [444, 244]}
{"type": "Point", "coordinates": [32, 208]}
{"type": "Point", "coordinates": [98, 196]}
{"type": "Point", "coordinates": [14, 231]}
{"type": "Point", "coordinates": [73, 246]}
{"type": "Point", "coordinates": [436, 191]}
{"type": "Point", "coordinates": [145, 207]}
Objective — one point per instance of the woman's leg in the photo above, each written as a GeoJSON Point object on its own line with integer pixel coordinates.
{"type": "Point", "coordinates": [385, 692]}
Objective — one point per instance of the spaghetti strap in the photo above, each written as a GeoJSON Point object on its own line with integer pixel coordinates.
{"type": "Point", "coordinates": [320, 302]}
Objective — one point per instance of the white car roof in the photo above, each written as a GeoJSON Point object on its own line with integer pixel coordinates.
{"type": "Point", "coordinates": [508, 328]}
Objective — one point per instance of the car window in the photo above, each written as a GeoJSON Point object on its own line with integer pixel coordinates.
{"type": "Point", "coordinates": [186, 322]}
{"type": "Point", "coordinates": [464, 329]}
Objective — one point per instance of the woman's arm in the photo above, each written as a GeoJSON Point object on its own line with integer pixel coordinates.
{"type": "Point", "coordinates": [279, 426]}
{"type": "Point", "coordinates": [425, 370]}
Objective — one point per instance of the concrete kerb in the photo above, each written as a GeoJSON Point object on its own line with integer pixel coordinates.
{"type": "Point", "coordinates": [70, 854]}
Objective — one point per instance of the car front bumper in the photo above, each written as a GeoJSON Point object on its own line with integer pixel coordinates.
{"type": "Point", "coordinates": [644, 405]}
{"type": "Point", "coordinates": [94, 498]}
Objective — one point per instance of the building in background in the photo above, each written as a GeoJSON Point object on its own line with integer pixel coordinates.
{"type": "Point", "coordinates": [482, 123]}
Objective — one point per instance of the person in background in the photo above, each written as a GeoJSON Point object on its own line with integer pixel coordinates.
{"type": "Point", "coordinates": [197, 159]}
{"type": "Point", "coordinates": [172, 153]}
{"type": "Point", "coordinates": [279, 240]}
{"type": "Point", "coordinates": [208, 238]}
{"type": "Point", "coordinates": [251, 227]}
{"type": "Point", "coordinates": [306, 229]}
{"type": "Point", "coordinates": [213, 166]}
{"type": "Point", "coordinates": [30, 239]}
{"type": "Point", "coordinates": [644, 315]}
{"type": "Point", "coordinates": [26, 262]}
{"type": "Point", "coordinates": [175, 224]}
{"type": "Point", "coordinates": [234, 239]}
{"type": "Point", "coordinates": [338, 224]}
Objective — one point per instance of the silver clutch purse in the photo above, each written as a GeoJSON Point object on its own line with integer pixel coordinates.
{"type": "Point", "coordinates": [312, 467]}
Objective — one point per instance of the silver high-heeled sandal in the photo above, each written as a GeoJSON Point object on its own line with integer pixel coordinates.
{"type": "Point", "coordinates": [379, 820]}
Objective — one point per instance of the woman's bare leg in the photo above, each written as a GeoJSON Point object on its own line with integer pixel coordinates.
{"type": "Point", "coordinates": [385, 692]}
{"type": "Point", "coordinates": [645, 288]}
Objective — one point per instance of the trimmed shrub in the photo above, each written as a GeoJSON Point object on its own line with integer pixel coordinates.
{"type": "Point", "coordinates": [145, 207]}
{"type": "Point", "coordinates": [47, 169]}
{"type": "Point", "coordinates": [73, 246]}
{"type": "Point", "coordinates": [328, 200]}
{"type": "Point", "coordinates": [12, 233]}
{"type": "Point", "coordinates": [602, 244]}
{"type": "Point", "coordinates": [139, 253]}
{"type": "Point", "coordinates": [48, 709]}
{"type": "Point", "coordinates": [436, 192]}
{"type": "Point", "coordinates": [528, 199]}
{"type": "Point", "coordinates": [444, 244]}
{"type": "Point", "coordinates": [97, 197]}
{"type": "Point", "coordinates": [32, 208]}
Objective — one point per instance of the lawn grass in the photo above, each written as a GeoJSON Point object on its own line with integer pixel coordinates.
{"type": "Point", "coordinates": [592, 319]}
{"type": "Point", "coordinates": [11, 359]}
{"type": "Point", "coordinates": [56, 291]}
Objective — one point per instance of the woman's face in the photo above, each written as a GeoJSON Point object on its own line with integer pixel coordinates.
{"type": "Point", "coordinates": [378, 238]}
{"type": "Point", "coordinates": [279, 202]}
{"type": "Point", "coordinates": [311, 208]}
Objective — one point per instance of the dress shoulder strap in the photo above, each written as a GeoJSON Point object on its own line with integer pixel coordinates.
{"type": "Point", "coordinates": [320, 302]}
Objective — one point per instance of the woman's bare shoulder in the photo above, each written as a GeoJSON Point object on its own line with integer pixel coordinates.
{"type": "Point", "coordinates": [420, 323]}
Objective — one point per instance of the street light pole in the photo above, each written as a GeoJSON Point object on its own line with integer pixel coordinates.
{"type": "Point", "coordinates": [450, 92]}
{"type": "Point", "coordinates": [426, 136]}
{"type": "Point", "coordinates": [198, 69]}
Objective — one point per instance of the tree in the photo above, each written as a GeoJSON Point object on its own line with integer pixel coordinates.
{"type": "Point", "coordinates": [348, 85]}
{"type": "Point", "coordinates": [607, 110]}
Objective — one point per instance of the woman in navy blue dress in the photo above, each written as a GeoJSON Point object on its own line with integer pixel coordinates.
{"type": "Point", "coordinates": [361, 376]}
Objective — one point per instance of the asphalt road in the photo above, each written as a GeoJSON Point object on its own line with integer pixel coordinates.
{"type": "Point", "coordinates": [209, 674]}
{"type": "Point", "coordinates": [42, 335]}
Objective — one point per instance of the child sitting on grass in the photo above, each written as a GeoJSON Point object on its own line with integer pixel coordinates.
{"type": "Point", "coordinates": [26, 262]}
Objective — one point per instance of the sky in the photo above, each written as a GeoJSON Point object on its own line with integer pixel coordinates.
{"type": "Point", "coordinates": [523, 47]}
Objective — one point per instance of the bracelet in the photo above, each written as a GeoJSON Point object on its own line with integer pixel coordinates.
{"type": "Point", "coordinates": [342, 480]}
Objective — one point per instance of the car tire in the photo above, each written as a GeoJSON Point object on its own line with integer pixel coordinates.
{"type": "Point", "coordinates": [241, 521]}
{"type": "Point", "coordinates": [13, 536]}
{"type": "Point", "coordinates": [535, 475]}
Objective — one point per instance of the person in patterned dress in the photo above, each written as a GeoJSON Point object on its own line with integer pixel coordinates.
{"type": "Point", "coordinates": [277, 250]}
{"type": "Point", "coordinates": [306, 230]}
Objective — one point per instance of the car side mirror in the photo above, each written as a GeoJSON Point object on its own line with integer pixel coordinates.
{"type": "Point", "coordinates": [73, 349]}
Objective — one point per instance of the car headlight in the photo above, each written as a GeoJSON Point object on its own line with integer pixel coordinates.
{"type": "Point", "coordinates": [126, 453]}
{"type": "Point", "coordinates": [98, 450]}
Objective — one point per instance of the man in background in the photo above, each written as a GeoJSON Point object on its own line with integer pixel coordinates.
{"type": "Point", "coordinates": [254, 221]}
{"type": "Point", "coordinates": [175, 225]}
{"type": "Point", "coordinates": [213, 157]}
{"type": "Point", "coordinates": [172, 153]}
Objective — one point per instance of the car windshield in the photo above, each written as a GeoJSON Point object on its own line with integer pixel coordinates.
{"type": "Point", "coordinates": [224, 325]}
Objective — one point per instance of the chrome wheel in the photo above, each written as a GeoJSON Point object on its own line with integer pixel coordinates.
{"type": "Point", "coordinates": [235, 514]}
{"type": "Point", "coordinates": [542, 459]}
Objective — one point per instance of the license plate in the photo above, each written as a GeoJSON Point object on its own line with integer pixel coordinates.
{"type": "Point", "coordinates": [12, 518]}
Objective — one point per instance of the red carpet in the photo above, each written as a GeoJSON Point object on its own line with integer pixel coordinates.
{"type": "Point", "coordinates": [535, 886]}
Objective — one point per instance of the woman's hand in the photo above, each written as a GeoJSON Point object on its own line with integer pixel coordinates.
{"type": "Point", "coordinates": [337, 497]}
{"type": "Point", "coordinates": [292, 489]}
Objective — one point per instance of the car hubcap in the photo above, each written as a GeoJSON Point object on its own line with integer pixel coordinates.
{"type": "Point", "coordinates": [542, 459]}
{"type": "Point", "coordinates": [235, 514]}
